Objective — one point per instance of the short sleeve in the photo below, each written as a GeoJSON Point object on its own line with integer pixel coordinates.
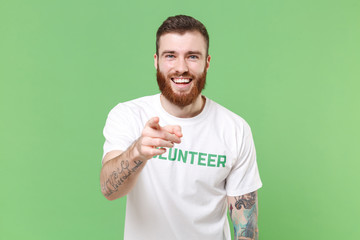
{"type": "Point", "coordinates": [244, 174]}
{"type": "Point", "coordinates": [118, 132]}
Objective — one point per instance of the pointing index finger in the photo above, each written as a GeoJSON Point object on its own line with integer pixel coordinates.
{"type": "Point", "coordinates": [174, 129]}
{"type": "Point", "coordinates": [177, 130]}
{"type": "Point", "coordinates": [154, 123]}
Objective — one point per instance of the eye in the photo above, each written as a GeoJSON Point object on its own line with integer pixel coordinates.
{"type": "Point", "coordinates": [193, 57]}
{"type": "Point", "coordinates": [169, 56]}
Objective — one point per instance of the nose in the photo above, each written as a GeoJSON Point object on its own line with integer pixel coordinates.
{"type": "Point", "coordinates": [181, 66]}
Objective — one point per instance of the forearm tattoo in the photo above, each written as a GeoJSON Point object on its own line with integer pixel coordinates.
{"type": "Point", "coordinates": [119, 176]}
{"type": "Point", "coordinates": [244, 215]}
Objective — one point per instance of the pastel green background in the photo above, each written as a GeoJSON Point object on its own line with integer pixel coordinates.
{"type": "Point", "coordinates": [290, 68]}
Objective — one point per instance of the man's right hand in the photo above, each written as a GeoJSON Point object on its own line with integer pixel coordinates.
{"type": "Point", "coordinates": [154, 139]}
{"type": "Point", "coordinates": [121, 169]}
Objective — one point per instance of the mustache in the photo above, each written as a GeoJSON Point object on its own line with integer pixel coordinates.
{"type": "Point", "coordinates": [185, 75]}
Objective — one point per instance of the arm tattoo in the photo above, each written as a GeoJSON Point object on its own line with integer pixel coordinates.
{"type": "Point", "coordinates": [244, 217]}
{"type": "Point", "coordinates": [247, 201]}
{"type": "Point", "coordinates": [119, 176]}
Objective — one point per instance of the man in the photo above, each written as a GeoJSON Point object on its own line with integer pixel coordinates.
{"type": "Point", "coordinates": [181, 158]}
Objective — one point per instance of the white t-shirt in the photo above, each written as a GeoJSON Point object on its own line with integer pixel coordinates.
{"type": "Point", "coordinates": [182, 194]}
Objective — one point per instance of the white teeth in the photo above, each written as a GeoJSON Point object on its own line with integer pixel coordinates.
{"type": "Point", "coordinates": [181, 80]}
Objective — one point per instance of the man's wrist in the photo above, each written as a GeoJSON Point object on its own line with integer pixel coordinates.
{"type": "Point", "coordinates": [133, 152]}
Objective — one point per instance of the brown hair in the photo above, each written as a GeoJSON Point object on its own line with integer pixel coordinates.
{"type": "Point", "coordinates": [181, 24]}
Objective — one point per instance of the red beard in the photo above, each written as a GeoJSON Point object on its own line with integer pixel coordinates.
{"type": "Point", "coordinates": [182, 99]}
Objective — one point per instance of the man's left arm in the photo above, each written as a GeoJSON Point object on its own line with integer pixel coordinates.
{"type": "Point", "coordinates": [244, 215]}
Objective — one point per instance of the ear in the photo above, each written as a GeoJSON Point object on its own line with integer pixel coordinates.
{"type": "Point", "coordinates": [155, 61]}
{"type": "Point", "coordinates": [208, 62]}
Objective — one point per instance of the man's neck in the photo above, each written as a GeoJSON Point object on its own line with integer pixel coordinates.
{"type": "Point", "coordinates": [188, 111]}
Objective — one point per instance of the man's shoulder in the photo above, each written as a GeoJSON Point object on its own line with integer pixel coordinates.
{"type": "Point", "coordinates": [226, 114]}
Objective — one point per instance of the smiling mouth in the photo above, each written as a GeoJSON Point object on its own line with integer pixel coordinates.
{"type": "Point", "coordinates": [181, 80]}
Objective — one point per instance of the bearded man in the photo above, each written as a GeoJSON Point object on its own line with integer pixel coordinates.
{"type": "Point", "coordinates": [181, 158]}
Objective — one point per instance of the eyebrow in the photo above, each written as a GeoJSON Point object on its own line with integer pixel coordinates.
{"type": "Point", "coordinates": [166, 52]}
{"type": "Point", "coordinates": [195, 52]}
{"type": "Point", "coordinates": [189, 52]}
